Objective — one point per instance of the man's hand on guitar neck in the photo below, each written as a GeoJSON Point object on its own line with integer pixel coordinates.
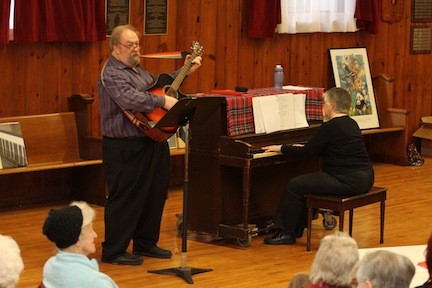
{"type": "Point", "coordinates": [169, 102]}
{"type": "Point", "coordinates": [196, 63]}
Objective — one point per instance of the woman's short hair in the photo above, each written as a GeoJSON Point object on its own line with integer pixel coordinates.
{"type": "Point", "coordinates": [11, 263]}
{"type": "Point", "coordinates": [385, 269]}
{"type": "Point", "coordinates": [89, 214]}
{"type": "Point", "coordinates": [117, 32]}
{"type": "Point", "coordinates": [335, 261]}
{"type": "Point", "coordinates": [340, 97]}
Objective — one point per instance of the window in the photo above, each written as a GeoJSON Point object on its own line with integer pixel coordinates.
{"type": "Point", "coordinates": [307, 16]}
{"type": "Point", "coordinates": [11, 20]}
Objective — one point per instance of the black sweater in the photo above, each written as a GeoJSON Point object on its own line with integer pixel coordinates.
{"type": "Point", "coordinates": [340, 144]}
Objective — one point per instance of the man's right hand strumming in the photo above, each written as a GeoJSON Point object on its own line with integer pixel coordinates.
{"type": "Point", "coordinates": [169, 102]}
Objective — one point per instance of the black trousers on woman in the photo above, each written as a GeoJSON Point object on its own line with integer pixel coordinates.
{"type": "Point", "coordinates": [137, 177]}
{"type": "Point", "coordinates": [291, 211]}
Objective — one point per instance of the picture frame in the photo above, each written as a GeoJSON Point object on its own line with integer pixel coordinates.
{"type": "Point", "coordinates": [351, 71]}
{"type": "Point", "coordinates": [117, 13]}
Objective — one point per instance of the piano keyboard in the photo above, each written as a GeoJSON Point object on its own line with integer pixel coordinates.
{"type": "Point", "coordinates": [260, 153]}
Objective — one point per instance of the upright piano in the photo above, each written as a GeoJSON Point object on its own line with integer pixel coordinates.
{"type": "Point", "coordinates": [234, 189]}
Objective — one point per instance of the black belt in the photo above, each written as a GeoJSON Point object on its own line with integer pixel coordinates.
{"type": "Point", "coordinates": [142, 138]}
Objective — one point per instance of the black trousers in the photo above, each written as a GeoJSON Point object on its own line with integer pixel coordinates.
{"type": "Point", "coordinates": [291, 211]}
{"type": "Point", "coordinates": [137, 177]}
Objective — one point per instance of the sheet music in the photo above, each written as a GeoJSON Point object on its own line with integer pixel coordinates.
{"type": "Point", "coordinates": [270, 113]}
{"type": "Point", "coordinates": [258, 121]}
{"type": "Point", "coordinates": [279, 112]}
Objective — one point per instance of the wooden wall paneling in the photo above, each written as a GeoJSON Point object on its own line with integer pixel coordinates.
{"type": "Point", "coordinates": [318, 63]}
{"type": "Point", "coordinates": [49, 77]}
{"type": "Point", "coordinates": [7, 81]}
{"type": "Point", "coordinates": [71, 75]}
{"type": "Point", "coordinates": [188, 30]}
{"type": "Point", "coordinates": [221, 48]}
{"type": "Point", "coordinates": [207, 37]}
{"type": "Point", "coordinates": [232, 38]}
{"type": "Point", "coordinates": [29, 71]}
{"type": "Point", "coordinates": [304, 58]}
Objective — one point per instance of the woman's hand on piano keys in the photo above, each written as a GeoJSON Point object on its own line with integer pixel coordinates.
{"type": "Point", "coordinates": [272, 148]}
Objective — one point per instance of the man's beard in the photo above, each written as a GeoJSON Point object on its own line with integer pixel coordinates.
{"type": "Point", "coordinates": [134, 59]}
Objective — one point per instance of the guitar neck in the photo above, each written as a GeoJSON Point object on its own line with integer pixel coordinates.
{"type": "Point", "coordinates": [183, 72]}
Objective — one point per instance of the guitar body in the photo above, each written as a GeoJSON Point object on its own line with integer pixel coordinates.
{"type": "Point", "coordinates": [162, 87]}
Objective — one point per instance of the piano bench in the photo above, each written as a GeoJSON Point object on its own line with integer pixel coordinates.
{"type": "Point", "coordinates": [341, 203]}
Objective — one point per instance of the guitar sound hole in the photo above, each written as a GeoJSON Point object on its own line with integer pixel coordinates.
{"type": "Point", "coordinates": [170, 92]}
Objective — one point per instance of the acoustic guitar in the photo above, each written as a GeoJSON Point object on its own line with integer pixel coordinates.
{"type": "Point", "coordinates": [164, 85]}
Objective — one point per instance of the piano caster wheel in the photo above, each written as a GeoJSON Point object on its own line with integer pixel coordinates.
{"type": "Point", "coordinates": [245, 242]}
{"type": "Point", "coordinates": [329, 221]}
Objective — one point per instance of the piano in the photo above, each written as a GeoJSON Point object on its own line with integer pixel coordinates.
{"type": "Point", "coordinates": [233, 190]}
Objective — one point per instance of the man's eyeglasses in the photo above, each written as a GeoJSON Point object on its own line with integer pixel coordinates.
{"type": "Point", "coordinates": [132, 46]}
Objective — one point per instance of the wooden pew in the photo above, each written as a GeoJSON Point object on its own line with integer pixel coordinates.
{"type": "Point", "coordinates": [389, 142]}
{"type": "Point", "coordinates": [61, 167]}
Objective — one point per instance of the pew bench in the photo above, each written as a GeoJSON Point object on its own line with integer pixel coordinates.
{"type": "Point", "coordinates": [389, 142]}
{"type": "Point", "coordinates": [57, 170]}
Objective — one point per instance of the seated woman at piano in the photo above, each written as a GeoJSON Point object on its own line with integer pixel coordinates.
{"type": "Point", "coordinates": [346, 168]}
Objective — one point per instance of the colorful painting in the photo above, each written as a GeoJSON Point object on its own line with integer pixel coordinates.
{"type": "Point", "coordinates": [351, 71]}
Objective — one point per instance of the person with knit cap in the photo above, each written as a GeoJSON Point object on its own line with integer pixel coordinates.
{"type": "Point", "coordinates": [71, 229]}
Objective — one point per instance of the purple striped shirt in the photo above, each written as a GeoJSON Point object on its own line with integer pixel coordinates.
{"type": "Point", "coordinates": [123, 88]}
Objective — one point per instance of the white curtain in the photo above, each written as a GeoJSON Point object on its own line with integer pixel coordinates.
{"type": "Point", "coordinates": [307, 16]}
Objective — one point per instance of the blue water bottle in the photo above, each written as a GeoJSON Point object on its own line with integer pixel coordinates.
{"type": "Point", "coordinates": [278, 77]}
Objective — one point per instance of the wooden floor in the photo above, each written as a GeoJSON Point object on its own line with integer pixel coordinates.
{"type": "Point", "coordinates": [408, 214]}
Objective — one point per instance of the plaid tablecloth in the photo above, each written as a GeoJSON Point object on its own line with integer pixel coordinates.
{"type": "Point", "coordinates": [239, 107]}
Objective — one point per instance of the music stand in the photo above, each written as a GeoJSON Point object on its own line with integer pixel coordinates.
{"type": "Point", "coordinates": [185, 111]}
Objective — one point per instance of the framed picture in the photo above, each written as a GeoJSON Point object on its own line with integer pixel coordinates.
{"type": "Point", "coordinates": [351, 71]}
{"type": "Point", "coordinates": [117, 13]}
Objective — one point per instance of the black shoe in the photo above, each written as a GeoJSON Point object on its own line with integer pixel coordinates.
{"type": "Point", "coordinates": [154, 251]}
{"type": "Point", "coordinates": [298, 232]}
{"type": "Point", "coordinates": [280, 238]}
{"type": "Point", "coordinates": [124, 259]}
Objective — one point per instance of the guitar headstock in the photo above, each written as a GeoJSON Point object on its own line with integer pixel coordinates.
{"type": "Point", "coordinates": [197, 48]}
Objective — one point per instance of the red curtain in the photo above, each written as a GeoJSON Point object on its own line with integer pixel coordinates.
{"type": "Point", "coordinates": [264, 15]}
{"type": "Point", "coordinates": [4, 21]}
{"type": "Point", "coordinates": [59, 21]}
{"type": "Point", "coordinates": [368, 15]}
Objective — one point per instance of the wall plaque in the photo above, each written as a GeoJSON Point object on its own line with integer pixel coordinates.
{"type": "Point", "coordinates": [117, 13]}
{"type": "Point", "coordinates": [421, 11]}
{"type": "Point", "coordinates": [155, 17]}
{"type": "Point", "coordinates": [421, 39]}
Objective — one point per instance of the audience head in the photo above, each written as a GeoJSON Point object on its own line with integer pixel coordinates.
{"type": "Point", "coordinates": [338, 99]}
{"type": "Point", "coordinates": [11, 263]}
{"type": "Point", "coordinates": [384, 269]}
{"type": "Point", "coordinates": [71, 228]}
{"type": "Point", "coordinates": [335, 261]}
{"type": "Point", "coordinates": [429, 257]}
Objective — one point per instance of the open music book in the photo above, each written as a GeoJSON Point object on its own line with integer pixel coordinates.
{"type": "Point", "coordinates": [279, 112]}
